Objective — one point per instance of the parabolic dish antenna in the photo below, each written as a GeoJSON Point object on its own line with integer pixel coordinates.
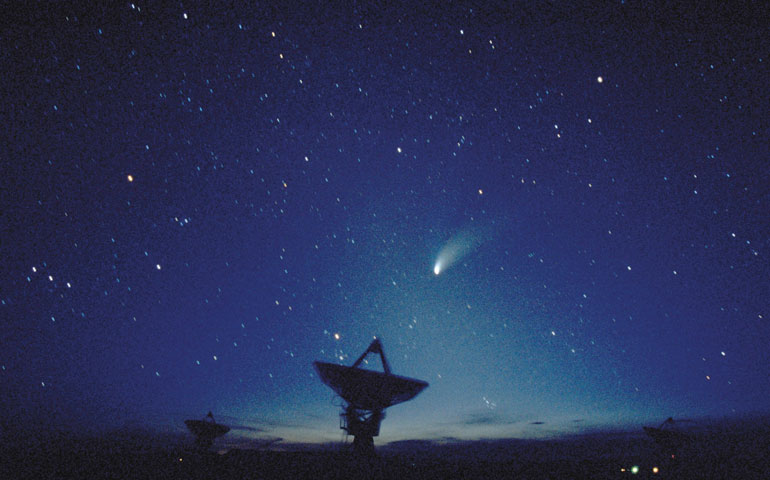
{"type": "Point", "coordinates": [368, 394]}
{"type": "Point", "coordinates": [669, 437]}
{"type": "Point", "coordinates": [206, 431]}
{"type": "Point", "coordinates": [368, 389]}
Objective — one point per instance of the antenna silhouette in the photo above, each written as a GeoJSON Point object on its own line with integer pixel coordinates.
{"type": "Point", "coordinates": [669, 438]}
{"type": "Point", "coordinates": [206, 431]}
{"type": "Point", "coordinates": [368, 394]}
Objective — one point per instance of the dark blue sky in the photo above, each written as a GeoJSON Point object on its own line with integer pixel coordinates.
{"type": "Point", "coordinates": [197, 204]}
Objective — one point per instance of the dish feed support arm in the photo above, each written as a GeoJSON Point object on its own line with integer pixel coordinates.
{"type": "Point", "coordinates": [374, 347]}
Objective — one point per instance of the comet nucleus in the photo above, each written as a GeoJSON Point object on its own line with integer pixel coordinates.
{"type": "Point", "coordinates": [437, 267]}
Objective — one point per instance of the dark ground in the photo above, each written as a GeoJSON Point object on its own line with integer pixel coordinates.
{"type": "Point", "coordinates": [744, 455]}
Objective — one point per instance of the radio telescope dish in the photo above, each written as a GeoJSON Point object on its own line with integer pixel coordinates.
{"type": "Point", "coordinates": [368, 394]}
{"type": "Point", "coordinates": [368, 389]}
{"type": "Point", "coordinates": [670, 435]}
{"type": "Point", "coordinates": [207, 430]}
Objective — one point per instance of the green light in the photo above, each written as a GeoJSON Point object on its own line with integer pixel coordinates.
{"type": "Point", "coordinates": [635, 469]}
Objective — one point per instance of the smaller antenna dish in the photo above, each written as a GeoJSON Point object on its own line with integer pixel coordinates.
{"type": "Point", "coordinates": [668, 437]}
{"type": "Point", "coordinates": [207, 430]}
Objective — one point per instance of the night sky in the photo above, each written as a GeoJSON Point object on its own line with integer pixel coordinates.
{"type": "Point", "coordinates": [198, 203]}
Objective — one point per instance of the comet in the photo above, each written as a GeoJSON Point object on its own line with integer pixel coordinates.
{"type": "Point", "coordinates": [460, 245]}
